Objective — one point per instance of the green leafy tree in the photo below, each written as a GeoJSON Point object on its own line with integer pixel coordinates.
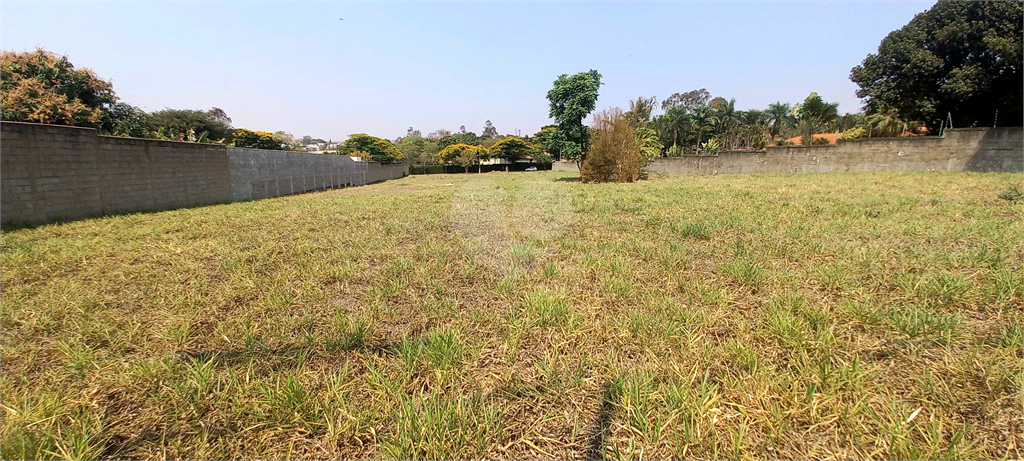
{"type": "Point", "coordinates": [177, 123]}
{"type": "Point", "coordinates": [371, 148]}
{"type": "Point", "coordinates": [639, 113]}
{"type": "Point", "coordinates": [460, 138]}
{"type": "Point", "coordinates": [814, 114]}
{"type": "Point", "coordinates": [511, 147]}
{"type": "Point", "coordinates": [675, 128]}
{"type": "Point", "coordinates": [779, 118]}
{"type": "Point", "coordinates": [728, 121]}
{"type": "Point", "coordinates": [541, 157]}
{"type": "Point", "coordinates": [541, 137]}
{"type": "Point", "coordinates": [847, 121]}
{"type": "Point", "coordinates": [687, 100]}
{"type": "Point", "coordinates": [418, 150]}
{"type": "Point", "coordinates": [958, 57]}
{"type": "Point", "coordinates": [42, 87]}
{"type": "Point", "coordinates": [559, 145]}
{"type": "Point", "coordinates": [490, 132]}
{"type": "Point", "coordinates": [125, 120]}
{"type": "Point", "coordinates": [885, 124]}
{"type": "Point", "coordinates": [571, 99]}
{"type": "Point", "coordinates": [648, 143]}
{"type": "Point", "coordinates": [704, 119]}
{"type": "Point", "coordinates": [256, 139]}
{"type": "Point", "coordinates": [754, 128]}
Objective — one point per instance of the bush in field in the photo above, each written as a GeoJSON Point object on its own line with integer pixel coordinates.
{"type": "Point", "coordinates": [615, 154]}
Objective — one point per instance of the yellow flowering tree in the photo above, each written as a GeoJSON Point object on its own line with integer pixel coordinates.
{"type": "Point", "coordinates": [464, 155]}
{"type": "Point", "coordinates": [256, 139]}
{"type": "Point", "coordinates": [371, 149]}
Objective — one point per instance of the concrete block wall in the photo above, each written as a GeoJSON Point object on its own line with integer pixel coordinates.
{"type": "Point", "coordinates": [969, 149]}
{"type": "Point", "coordinates": [563, 165]}
{"type": "Point", "coordinates": [151, 175]}
{"type": "Point", "coordinates": [47, 173]}
{"type": "Point", "coordinates": [376, 172]}
{"type": "Point", "coordinates": [54, 173]}
{"type": "Point", "coordinates": [258, 173]}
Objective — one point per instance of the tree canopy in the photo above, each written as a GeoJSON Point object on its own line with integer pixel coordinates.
{"type": "Point", "coordinates": [464, 155]}
{"type": "Point", "coordinates": [418, 150]}
{"type": "Point", "coordinates": [639, 113]}
{"type": "Point", "coordinates": [814, 113]}
{"type": "Point", "coordinates": [571, 100]}
{"type": "Point", "coordinates": [256, 139]}
{"type": "Point", "coordinates": [176, 123]}
{"type": "Point", "coordinates": [123, 119]}
{"type": "Point", "coordinates": [377, 149]}
{"type": "Point", "coordinates": [687, 100]}
{"type": "Point", "coordinates": [511, 147]}
{"type": "Point", "coordinates": [459, 138]}
{"type": "Point", "coordinates": [489, 130]}
{"type": "Point", "coordinates": [958, 58]}
{"type": "Point", "coordinates": [42, 87]}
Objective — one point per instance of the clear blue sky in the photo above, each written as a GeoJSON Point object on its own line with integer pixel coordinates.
{"type": "Point", "coordinates": [300, 68]}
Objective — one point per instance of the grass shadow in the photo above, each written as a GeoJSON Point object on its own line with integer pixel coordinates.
{"type": "Point", "coordinates": [599, 429]}
{"type": "Point", "coordinates": [242, 356]}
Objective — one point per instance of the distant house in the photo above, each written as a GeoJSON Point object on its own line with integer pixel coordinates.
{"type": "Point", "coordinates": [322, 148]}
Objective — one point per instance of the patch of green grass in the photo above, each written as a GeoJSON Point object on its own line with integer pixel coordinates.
{"type": "Point", "coordinates": [442, 349]}
{"type": "Point", "coordinates": [547, 308]}
{"type": "Point", "coordinates": [696, 229]}
{"type": "Point", "coordinates": [916, 322]}
{"type": "Point", "coordinates": [1013, 193]}
{"type": "Point", "coordinates": [746, 272]}
{"type": "Point", "coordinates": [434, 426]}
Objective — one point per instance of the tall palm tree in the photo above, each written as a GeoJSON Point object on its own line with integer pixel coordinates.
{"type": "Point", "coordinates": [673, 125]}
{"type": "Point", "coordinates": [640, 111]}
{"type": "Point", "coordinates": [704, 117]}
{"type": "Point", "coordinates": [728, 120]}
{"type": "Point", "coordinates": [778, 118]}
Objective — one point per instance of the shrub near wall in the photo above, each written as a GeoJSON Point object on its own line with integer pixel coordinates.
{"type": "Point", "coordinates": [614, 153]}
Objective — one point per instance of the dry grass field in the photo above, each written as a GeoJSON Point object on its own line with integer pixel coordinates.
{"type": "Point", "coordinates": [528, 316]}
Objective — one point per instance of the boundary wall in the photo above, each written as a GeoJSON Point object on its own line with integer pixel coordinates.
{"type": "Point", "coordinates": [964, 149]}
{"type": "Point", "coordinates": [54, 173]}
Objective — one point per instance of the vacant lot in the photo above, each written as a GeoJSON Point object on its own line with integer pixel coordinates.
{"type": "Point", "coordinates": [525, 315]}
